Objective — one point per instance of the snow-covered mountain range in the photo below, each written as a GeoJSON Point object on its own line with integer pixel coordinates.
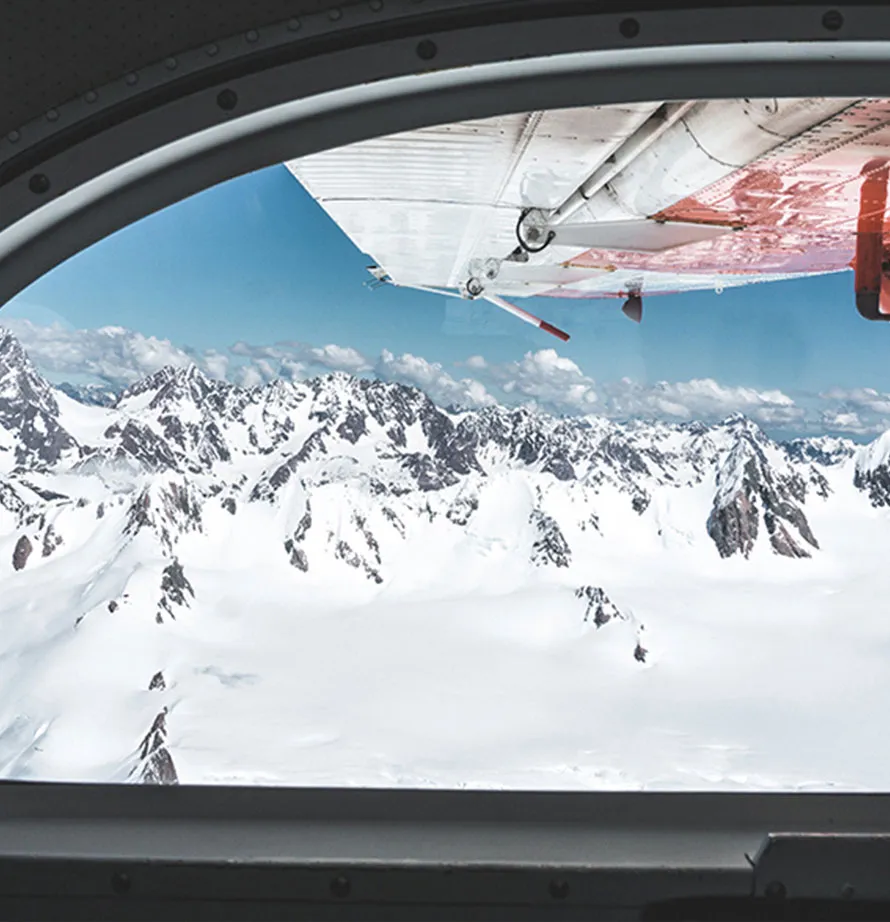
{"type": "Point", "coordinates": [336, 581]}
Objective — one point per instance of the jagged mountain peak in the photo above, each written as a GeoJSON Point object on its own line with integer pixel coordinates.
{"type": "Point", "coordinates": [740, 426]}
{"type": "Point", "coordinates": [29, 411]}
{"type": "Point", "coordinates": [19, 379]}
{"type": "Point", "coordinates": [151, 382]}
{"type": "Point", "coordinates": [744, 459]}
{"type": "Point", "coordinates": [756, 487]}
{"type": "Point", "coordinates": [11, 350]}
{"type": "Point", "coordinates": [174, 383]}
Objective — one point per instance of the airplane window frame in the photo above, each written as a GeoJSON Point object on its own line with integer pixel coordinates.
{"type": "Point", "coordinates": [97, 166]}
{"type": "Point", "coordinates": [352, 853]}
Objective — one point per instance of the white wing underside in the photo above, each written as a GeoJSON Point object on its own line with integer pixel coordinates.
{"type": "Point", "coordinates": [430, 205]}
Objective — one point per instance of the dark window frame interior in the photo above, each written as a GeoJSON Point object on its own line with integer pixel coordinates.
{"type": "Point", "coordinates": [96, 851]}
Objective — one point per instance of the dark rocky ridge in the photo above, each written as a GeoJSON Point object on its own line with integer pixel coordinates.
{"type": "Point", "coordinates": [175, 591]}
{"type": "Point", "coordinates": [550, 545]}
{"type": "Point", "coordinates": [155, 764]}
{"type": "Point", "coordinates": [600, 608]}
{"type": "Point", "coordinates": [22, 552]}
{"type": "Point", "coordinates": [750, 492]}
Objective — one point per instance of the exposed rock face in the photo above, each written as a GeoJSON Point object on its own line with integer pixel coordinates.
{"type": "Point", "coordinates": [11, 501]}
{"type": "Point", "coordinates": [343, 551]}
{"type": "Point", "coordinates": [733, 525]}
{"type": "Point", "coordinates": [876, 483]}
{"type": "Point", "coordinates": [51, 540]}
{"type": "Point", "coordinates": [600, 608]}
{"type": "Point", "coordinates": [175, 591]}
{"type": "Point", "coordinates": [822, 450]}
{"type": "Point", "coordinates": [353, 426]}
{"type": "Point", "coordinates": [22, 552]}
{"type": "Point", "coordinates": [155, 762]}
{"type": "Point", "coordinates": [141, 445]}
{"type": "Point", "coordinates": [560, 467]}
{"type": "Point", "coordinates": [751, 492]}
{"type": "Point", "coordinates": [168, 510]}
{"type": "Point", "coordinates": [394, 520]}
{"type": "Point", "coordinates": [872, 471]}
{"type": "Point", "coordinates": [819, 483]}
{"type": "Point", "coordinates": [550, 545]}
{"type": "Point", "coordinates": [462, 509]}
{"type": "Point", "coordinates": [297, 554]}
{"type": "Point", "coordinates": [429, 473]}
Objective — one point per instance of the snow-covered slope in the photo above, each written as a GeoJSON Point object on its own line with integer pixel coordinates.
{"type": "Point", "coordinates": [335, 581]}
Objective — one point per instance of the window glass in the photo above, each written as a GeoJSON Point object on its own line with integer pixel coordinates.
{"type": "Point", "coordinates": [268, 517]}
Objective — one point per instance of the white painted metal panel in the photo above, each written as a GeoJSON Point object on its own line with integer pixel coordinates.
{"type": "Point", "coordinates": [639, 235]}
{"type": "Point", "coordinates": [425, 203]}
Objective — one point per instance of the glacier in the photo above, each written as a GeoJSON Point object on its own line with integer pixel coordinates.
{"type": "Point", "coordinates": [337, 582]}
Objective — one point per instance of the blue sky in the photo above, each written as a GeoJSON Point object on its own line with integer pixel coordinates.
{"type": "Point", "coordinates": [256, 261]}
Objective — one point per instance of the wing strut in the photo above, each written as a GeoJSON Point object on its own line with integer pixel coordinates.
{"type": "Point", "coordinates": [526, 316]}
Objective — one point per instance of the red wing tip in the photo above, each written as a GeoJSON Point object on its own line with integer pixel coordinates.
{"type": "Point", "coordinates": [559, 334]}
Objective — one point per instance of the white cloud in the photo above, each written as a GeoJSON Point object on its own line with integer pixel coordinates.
{"type": "Point", "coordinates": [558, 383]}
{"type": "Point", "coordinates": [113, 355]}
{"type": "Point", "coordinates": [117, 356]}
{"type": "Point", "coordinates": [857, 411]}
{"type": "Point", "coordinates": [432, 378]}
{"type": "Point", "coordinates": [701, 398]}
{"type": "Point", "coordinates": [216, 364]}
{"type": "Point", "coordinates": [338, 358]}
{"type": "Point", "coordinates": [543, 377]}
{"type": "Point", "coordinates": [847, 421]}
{"type": "Point", "coordinates": [294, 359]}
{"type": "Point", "coordinates": [861, 398]}
{"type": "Point", "coordinates": [249, 376]}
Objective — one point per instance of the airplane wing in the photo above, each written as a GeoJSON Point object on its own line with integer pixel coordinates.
{"type": "Point", "coordinates": [620, 201]}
